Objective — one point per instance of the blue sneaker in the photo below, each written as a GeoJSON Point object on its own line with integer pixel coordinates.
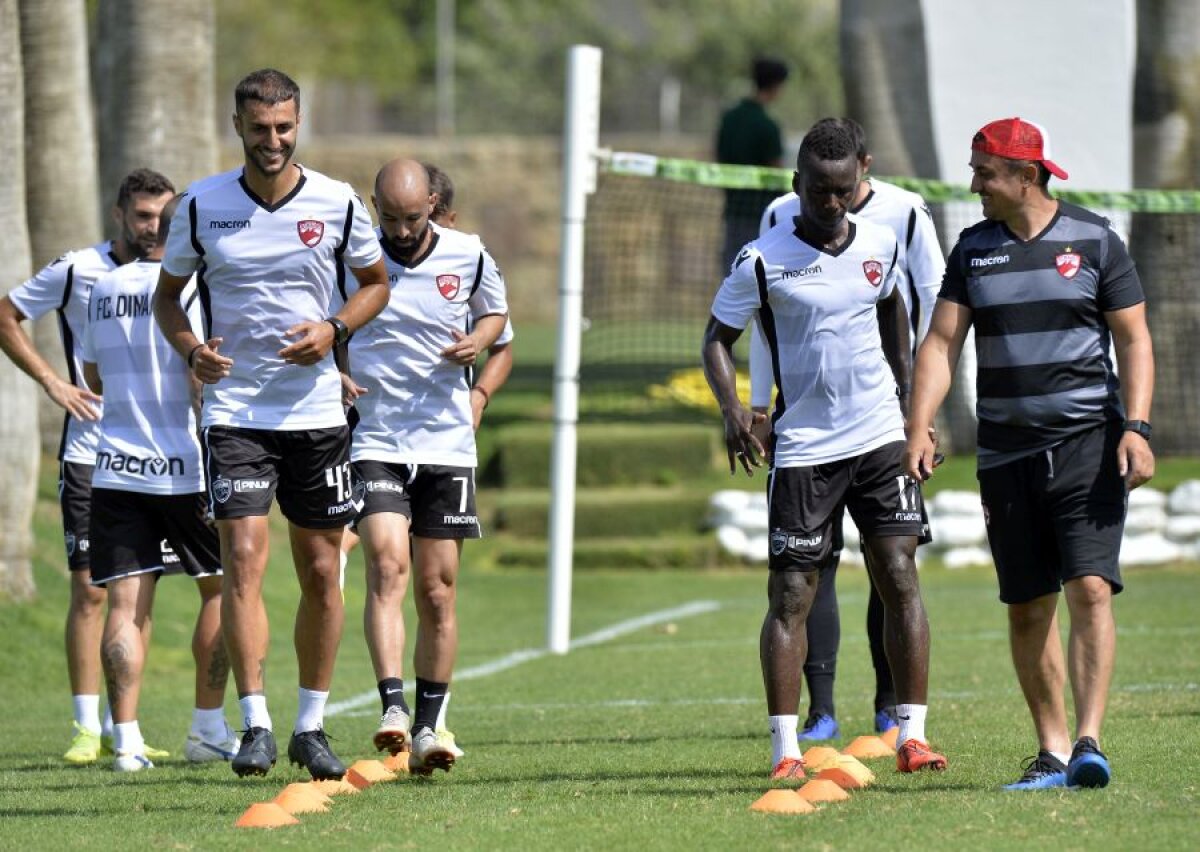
{"type": "Point", "coordinates": [1041, 771]}
{"type": "Point", "coordinates": [819, 726]}
{"type": "Point", "coordinates": [1088, 766]}
{"type": "Point", "coordinates": [885, 720]}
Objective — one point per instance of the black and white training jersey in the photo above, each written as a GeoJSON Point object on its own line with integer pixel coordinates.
{"type": "Point", "coordinates": [817, 313]}
{"type": "Point", "coordinates": [262, 268]}
{"type": "Point", "coordinates": [1041, 339]}
{"type": "Point", "coordinates": [65, 286]}
{"type": "Point", "coordinates": [920, 263]}
{"type": "Point", "coordinates": [417, 409]}
{"type": "Point", "coordinates": [148, 437]}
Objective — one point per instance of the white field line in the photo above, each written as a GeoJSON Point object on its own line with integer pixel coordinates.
{"type": "Point", "coordinates": [516, 658]}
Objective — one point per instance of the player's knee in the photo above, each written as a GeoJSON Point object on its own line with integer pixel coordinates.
{"type": "Point", "coordinates": [790, 594]}
{"type": "Point", "coordinates": [1088, 593]}
{"type": "Point", "coordinates": [86, 599]}
{"type": "Point", "coordinates": [387, 574]}
{"type": "Point", "coordinates": [437, 597]}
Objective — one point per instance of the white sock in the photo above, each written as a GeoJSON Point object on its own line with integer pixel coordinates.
{"type": "Point", "coordinates": [106, 727]}
{"type": "Point", "coordinates": [912, 722]}
{"type": "Point", "coordinates": [1065, 757]}
{"type": "Point", "coordinates": [127, 738]}
{"type": "Point", "coordinates": [209, 724]}
{"type": "Point", "coordinates": [312, 710]}
{"type": "Point", "coordinates": [783, 738]}
{"type": "Point", "coordinates": [254, 712]}
{"type": "Point", "coordinates": [440, 724]}
{"type": "Point", "coordinates": [87, 712]}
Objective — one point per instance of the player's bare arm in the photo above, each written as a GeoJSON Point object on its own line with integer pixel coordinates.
{"type": "Point", "coordinates": [893, 334]}
{"type": "Point", "coordinates": [740, 441]}
{"type": "Point", "coordinates": [1135, 366]}
{"type": "Point", "coordinates": [91, 377]}
{"type": "Point", "coordinates": [936, 360]}
{"type": "Point", "coordinates": [311, 341]}
{"type": "Point", "coordinates": [466, 348]}
{"type": "Point", "coordinates": [491, 378]}
{"type": "Point", "coordinates": [206, 363]}
{"type": "Point", "coordinates": [19, 348]}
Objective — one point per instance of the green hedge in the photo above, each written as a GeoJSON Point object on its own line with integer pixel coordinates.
{"type": "Point", "coordinates": [623, 512]}
{"type": "Point", "coordinates": [664, 552]}
{"type": "Point", "coordinates": [607, 455]}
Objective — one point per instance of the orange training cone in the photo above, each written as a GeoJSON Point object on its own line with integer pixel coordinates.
{"type": "Point", "coordinates": [397, 763]}
{"type": "Point", "coordinates": [373, 770]}
{"type": "Point", "coordinates": [866, 748]}
{"type": "Point", "coordinates": [822, 790]}
{"type": "Point", "coordinates": [301, 799]}
{"type": "Point", "coordinates": [848, 774]}
{"type": "Point", "coordinates": [357, 779]}
{"type": "Point", "coordinates": [265, 815]}
{"type": "Point", "coordinates": [818, 757]}
{"type": "Point", "coordinates": [331, 787]}
{"type": "Point", "coordinates": [782, 802]}
{"type": "Point", "coordinates": [890, 735]}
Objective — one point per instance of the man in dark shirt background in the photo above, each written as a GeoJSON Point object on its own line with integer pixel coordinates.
{"type": "Point", "coordinates": [749, 137]}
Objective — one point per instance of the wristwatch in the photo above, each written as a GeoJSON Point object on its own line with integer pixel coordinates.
{"type": "Point", "coordinates": [341, 332]}
{"type": "Point", "coordinates": [1142, 427]}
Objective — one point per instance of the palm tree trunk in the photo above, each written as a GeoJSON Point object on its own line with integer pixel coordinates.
{"type": "Point", "coordinates": [18, 425]}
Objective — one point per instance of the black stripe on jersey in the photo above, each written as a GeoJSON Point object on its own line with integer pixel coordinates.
{"type": "Point", "coordinates": [192, 225]}
{"type": "Point", "coordinates": [340, 281]}
{"type": "Point", "coordinates": [114, 257]}
{"type": "Point", "coordinates": [1041, 379]}
{"type": "Point", "coordinates": [205, 297]}
{"type": "Point", "coordinates": [1032, 257]}
{"type": "Point", "coordinates": [771, 220]}
{"type": "Point", "coordinates": [858, 208]}
{"type": "Point", "coordinates": [187, 306]}
{"type": "Point", "coordinates": [1033, 317]}
{"type": "Point", "coordinates": [68, 342]}
{"type": "Point", "coordinates": [766, 319]}
{"type": "Point", "coordinates": [912, 227]}
{"type": "Point", "coordinates": [1006, 438]}
{"type": "Point", "coordinates": [271, 208]}
{"type": "Point", "coordinates": [478, 275]}
{"type": "Point", "coordinates": [62, 306]}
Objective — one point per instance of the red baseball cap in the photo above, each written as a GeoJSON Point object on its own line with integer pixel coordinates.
{"type": "Point", "coordinates": [1017, 139]}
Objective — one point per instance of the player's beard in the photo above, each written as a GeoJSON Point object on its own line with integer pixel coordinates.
{"type": "Point", "coordinates": [257, 157]}
{"type": "Point", "coordinates": [139, 245]}
{"type": "Point", "coordinates": [408, 248]}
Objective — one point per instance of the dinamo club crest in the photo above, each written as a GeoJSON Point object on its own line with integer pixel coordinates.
{"type": "Point", "coordinates": [873, 269]}
{"type": "Point", "coordinates": [311, 231]}
{"type": "Point", "coordinates": [448, 285]}
{"type": "Point", "coordinates": [1067, 264]}
{"type": "Point", "coordinates": [779, 542]}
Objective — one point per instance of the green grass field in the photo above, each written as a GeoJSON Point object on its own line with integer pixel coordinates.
{"type": "Point", "coordinates": [650, 739]}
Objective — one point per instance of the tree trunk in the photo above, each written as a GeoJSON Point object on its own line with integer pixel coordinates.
{"type": "Point", "coordinates": [154, 76]}
{"type": "Point", "coordinates": [1167, 154]}
{"type": "Point", "coordinates": [18, 425]}
{"type": "Point", "coordinates": [60, 160]}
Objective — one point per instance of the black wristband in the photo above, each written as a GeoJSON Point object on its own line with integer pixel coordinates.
{"type": "Point", "coordinates": [341, 332]}
{"type": "Point", "coordinates": [191, 358]}
{"type": "Point", "coordinates": [1141, 427]}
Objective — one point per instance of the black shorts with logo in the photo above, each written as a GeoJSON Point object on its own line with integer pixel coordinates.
{"type": "Point", "coordinates": [806, 503]}
{"type": "Point", "coordinates": [135, 533]}
{"type": "Point", "coordinates": [1056, 515]}
{"type": "Point", "coordinates": [75, 498]}
{"type": "Point", "coordinates": [438, 500]}
{"type": "Point", "coordinates": [307, 469]}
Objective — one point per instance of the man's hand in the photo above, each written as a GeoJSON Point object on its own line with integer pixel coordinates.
{"type": "Point", "coordinates": [351, 390]}
{"type": "Point", "coordinates": [922, 456]}
{"type": "Point", "coordinates": [76, 401]}
{"type": "Point", "coordinates": [315, 341]}
{"type": "Point", "coordinates": [1135, 460]}
{"type": "Point", "coordinates": [464, 350]}
{"type": "Point", "coordinates": [740, 441]}
{"type": "Point", "coordinates": [208, 365]}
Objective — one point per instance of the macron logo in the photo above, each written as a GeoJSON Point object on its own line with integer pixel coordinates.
{"type": "Point", "coordinates": [228, 224]}
{"type": "Point", "coordinates": [977, 262]}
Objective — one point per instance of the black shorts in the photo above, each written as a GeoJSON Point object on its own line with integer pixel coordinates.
{"type": "Point", "coordinates": [806, 503]}
{"type": "Point", "coordinates": [307, 469]}
{"type": "Point", "coordinates": [75, 499]}
{"type": "Point", "coordinates": [1056, 515]}
{"type": "Point", "coordinates": [438, 500]}
{"type": "Point", "coordinates": [135, 533]}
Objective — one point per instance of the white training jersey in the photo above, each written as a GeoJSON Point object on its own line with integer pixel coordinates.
{"type": "Point", "coordinates": [260, 270]}
{"type": "Point", "coordinates": [65, 286]}
{"type": "Point", "coordinates": [921, 263]}
{"type": "Point", "coordinates": [817, 313]}
{"type": "Point", "coordinates": [148, 437]}
{"type": "Point", "coordinates": [417, 409]}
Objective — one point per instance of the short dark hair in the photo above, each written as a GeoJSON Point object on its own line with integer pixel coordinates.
{"type": "Point", "coordinates": [854, 129]}
{"type": "Point", "coordinates": [827, 140]}
{"type": "Point", "coordinates": [267, 85]}
{"type": "Point", "coordinates": [768, 72]}
{"type": "Point", "coordinates": [441, 186]}
{"type": "Point", "coordinates": [145, 181]}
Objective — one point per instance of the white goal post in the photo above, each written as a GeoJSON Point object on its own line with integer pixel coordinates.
{"type": "Point", "coordinates": [581, 139]}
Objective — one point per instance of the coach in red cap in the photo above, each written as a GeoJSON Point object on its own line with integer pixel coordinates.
{"type": "Point", "coordinates": [1061, 439]}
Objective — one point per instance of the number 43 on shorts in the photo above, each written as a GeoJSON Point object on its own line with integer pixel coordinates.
{"type": "Point", "coordinates": [339, 477]}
